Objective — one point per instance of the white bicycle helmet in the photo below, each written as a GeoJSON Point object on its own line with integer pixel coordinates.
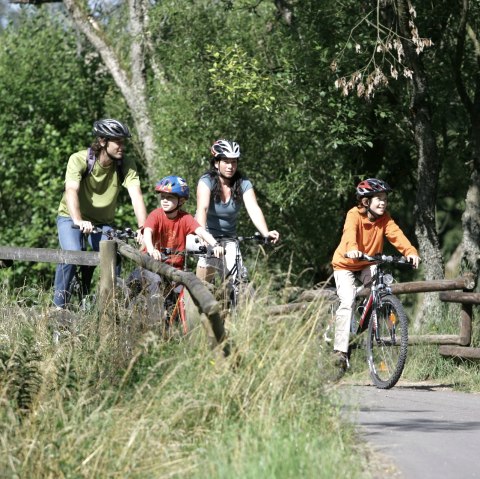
{"type": "Point", "coordinates": [225, 149]}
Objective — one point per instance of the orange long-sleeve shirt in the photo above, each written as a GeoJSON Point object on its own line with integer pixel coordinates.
{"type": "Point", "coordinates": [359, 233]}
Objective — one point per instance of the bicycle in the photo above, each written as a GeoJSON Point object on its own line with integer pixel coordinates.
{"type": "Point", "coordinates": [235, 287]}
{"type": "Point", "coordinates": [79, 289]}
{"type": "Point", "coordinates": [161, 300]}
{"type": "Point", "coordinates": [383, 316]}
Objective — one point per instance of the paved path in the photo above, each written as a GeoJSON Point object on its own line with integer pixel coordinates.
{"type": "Point", "coordinates": [428, 432]}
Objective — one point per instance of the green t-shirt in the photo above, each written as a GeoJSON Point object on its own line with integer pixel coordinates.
{"type": "Point", "coordinates": [99, 190]}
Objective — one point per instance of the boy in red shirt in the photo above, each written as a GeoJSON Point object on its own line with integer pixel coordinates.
{"type": "Point", "coordinates": [365, 227]}
{"type": "Point", "coordinates": [168, 226]}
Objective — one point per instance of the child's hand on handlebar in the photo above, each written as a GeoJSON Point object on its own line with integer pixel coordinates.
{"type": "Point", "coordinates": [155, 254]}
{"type": "Point", "coordinates": [353, 254]}
{"type": "Point", "coordinates": [415, 260]}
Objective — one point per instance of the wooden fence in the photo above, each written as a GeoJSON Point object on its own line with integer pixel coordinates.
{"type": "Point", "coordinates": [107, 259]}
{"type": "Point", "coordinates": [459, 290]}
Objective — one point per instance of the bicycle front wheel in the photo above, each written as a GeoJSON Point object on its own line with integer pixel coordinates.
{"type": "Point", "coordinates": [387, 342]}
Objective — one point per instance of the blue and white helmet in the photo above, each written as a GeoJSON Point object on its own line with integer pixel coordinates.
{"type": "Point", "coordinates": [175, 185]}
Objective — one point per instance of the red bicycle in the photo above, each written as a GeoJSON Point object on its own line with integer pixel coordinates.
{"type": "Point", "coordinates": [383, 316]}
{"type": "Point", "coordinates": [159, 301]}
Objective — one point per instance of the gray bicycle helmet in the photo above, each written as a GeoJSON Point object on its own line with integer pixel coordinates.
{"type": "Point", "coordinates": [110, 129]}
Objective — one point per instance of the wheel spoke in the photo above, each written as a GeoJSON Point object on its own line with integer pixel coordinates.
{"type": "Point", "coordinates": [387, 343]}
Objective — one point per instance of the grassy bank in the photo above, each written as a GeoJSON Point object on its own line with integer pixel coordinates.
{"type": "Point", "coordinates": [114, 401]}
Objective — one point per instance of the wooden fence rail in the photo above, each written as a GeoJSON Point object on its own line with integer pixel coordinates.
{"type": "Point", "coordinates": [450, 344]}
{"type": "Point", "coordinates": [44, 255]}
{"type": "Point", "coordinates": [106, 258]}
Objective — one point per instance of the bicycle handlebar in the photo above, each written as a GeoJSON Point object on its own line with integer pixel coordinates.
{"type": "Point", "coordinates": [382, 258]}
{"type": "Point", "coordinates": [95, 229]}
{"type": "Point", "coordinates": [255, 237]}
{"type": "Point", "coordinates": [207, 251]}
{"type": "Point", "coordinates": [124, 233]}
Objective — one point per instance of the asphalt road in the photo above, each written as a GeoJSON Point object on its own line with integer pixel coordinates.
{"type": "Point", "coordinates": [423, 431]}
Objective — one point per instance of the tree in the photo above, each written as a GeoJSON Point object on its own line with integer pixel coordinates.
{"type": "Point", "coordinates": [469, 92]}
{"type": "Point", "coordinates": [398, 45]}
{"type": "Point", "coordinates": [128, 73]}
{"type": "Point", "coordinates": [428, 161]}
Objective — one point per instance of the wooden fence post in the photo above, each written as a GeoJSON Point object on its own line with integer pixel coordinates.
{"type": "Point", "coordinates": [108, 263]}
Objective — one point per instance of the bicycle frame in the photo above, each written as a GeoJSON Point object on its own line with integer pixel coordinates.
{"type": "Point", "coordinates": [377, 289]}
{"type": "Point", "coordinates": [81, 281]}
{"type": "Point", "coordinates": [174, 293]}
{"type": "Point", "coordinates": [382, 313]}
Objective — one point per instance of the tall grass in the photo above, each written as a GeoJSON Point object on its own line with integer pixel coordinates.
{"type": "Point", "coordinates": [112, 400]}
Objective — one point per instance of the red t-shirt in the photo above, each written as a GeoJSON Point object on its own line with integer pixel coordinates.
{"type": "Point", "coordinates": [171, 233]}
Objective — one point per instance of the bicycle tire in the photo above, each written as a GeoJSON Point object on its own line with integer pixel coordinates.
{"type": "Point", "coordinates": [176, 315]}
{"type": "Point", "coordinates": [387, 342]}
{"type": "Point", "coordinates": [77, 299]}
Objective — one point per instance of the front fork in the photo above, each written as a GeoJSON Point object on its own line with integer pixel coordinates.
{"type": "Point", "coordinates": [390, 319]}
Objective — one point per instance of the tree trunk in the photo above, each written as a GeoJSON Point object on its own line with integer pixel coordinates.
{"type": "Point", "coordinates": [132, 84]}
{"type": "Point", "coordinates": [431, 309]}
{"type": "Point", "coordinates": [471, 216]}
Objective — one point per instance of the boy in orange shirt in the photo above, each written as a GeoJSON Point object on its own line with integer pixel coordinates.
{"type": "Point", "coordinates": [364, 230]}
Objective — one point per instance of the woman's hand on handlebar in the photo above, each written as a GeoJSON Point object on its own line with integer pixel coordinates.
{"type": "Point", "coordinates": [273, 236]}
{"type": "Point", "coordinates": [139, 235]}
{"type": "Point", "coordinates": [218, 250]}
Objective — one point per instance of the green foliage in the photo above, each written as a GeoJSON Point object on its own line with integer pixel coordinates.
{"type": "Point", "coordinates": [21, 378]}
{"type": "Point", "coordinates": [238, 79]}
{"type": "Point", "coordinates": [51, 90]}
{"type": "Point", "coordinates": [235, 70]}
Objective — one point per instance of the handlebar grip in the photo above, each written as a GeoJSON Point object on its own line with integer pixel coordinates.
{"type": "Point", "coordinates": [95, 229]}
{"type": "Point", "coordinates": [362, 256]}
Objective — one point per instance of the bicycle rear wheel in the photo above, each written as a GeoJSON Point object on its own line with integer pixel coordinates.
{"type": "Point", "coordinates": [387, 342]}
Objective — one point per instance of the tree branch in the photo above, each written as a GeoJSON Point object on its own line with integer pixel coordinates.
{"type": "Point", "coordinates": [458, 58]}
